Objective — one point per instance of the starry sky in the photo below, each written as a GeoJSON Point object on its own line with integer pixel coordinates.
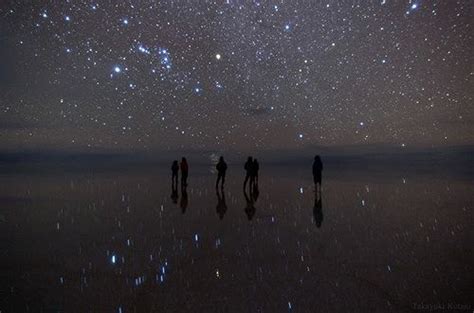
{"type": "Point", "coordinates": [235, 74]}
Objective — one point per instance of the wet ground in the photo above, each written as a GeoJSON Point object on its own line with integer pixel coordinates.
{"type": "Point", "coordinates": [121, 241]}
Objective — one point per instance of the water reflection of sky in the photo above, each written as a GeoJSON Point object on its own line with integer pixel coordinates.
{"type": "Point", "coordinates": [116, 242]}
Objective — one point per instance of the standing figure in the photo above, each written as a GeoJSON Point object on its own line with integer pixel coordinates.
{"type": "Point", "coordinates": [184, 172]}
{"type": "Point", "coordinates": [174, 173]}
{"type": "Point", "coordinates": [317, 169]}
{"type": "Point", "coordinates": [221, 168]}
{"type": "Point", "coordinates": [255, 169]}
{"type": "Point", "coordinates": [249, 171]}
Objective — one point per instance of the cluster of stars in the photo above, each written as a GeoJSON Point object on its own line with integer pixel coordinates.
{"type": "Point", "coordinates": [239, 75]}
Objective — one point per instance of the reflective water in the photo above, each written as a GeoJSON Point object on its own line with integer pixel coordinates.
{"type": "Point", "coordinates": [122, 241]}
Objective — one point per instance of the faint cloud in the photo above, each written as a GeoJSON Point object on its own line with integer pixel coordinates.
{"type": "Point", "coordinates": [258, 111]}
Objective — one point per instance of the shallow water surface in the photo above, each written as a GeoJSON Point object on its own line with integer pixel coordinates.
{"type": "Point", "coordinates": [120, 241]}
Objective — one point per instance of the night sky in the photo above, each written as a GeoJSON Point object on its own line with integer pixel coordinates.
{"type": "Point", "coordinates": [235, 74]}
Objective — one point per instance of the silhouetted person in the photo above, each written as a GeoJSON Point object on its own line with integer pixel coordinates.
{"type": "Point", "coordinates": [184, 172]}
{"type": "Point", "coordinates": [248, 171]}
{"type": "Point", "coordinates": [318, 210]}
{"type": "Point", "coordinates": [255, 169]}
{"type": "Point", "coordinates": [317, 169]}
{"type": "Point", "coordinates": [249, 208]}
{"type": "Point", "coordinates": [221, 168]}
{"type": "Point", "coordinates": [184, 199]}
{"type": "Point", "coordinates": [221, 207]}
{"type": "Point", "coordinates": [174, 172]}
{"type": "Point", "coordinates": [174, 192]}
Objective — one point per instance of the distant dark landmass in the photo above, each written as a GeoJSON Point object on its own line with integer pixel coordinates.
{"type": "Point", "coordinates": [455, 161]}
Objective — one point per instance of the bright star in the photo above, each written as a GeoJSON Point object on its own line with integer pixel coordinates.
{"type": "Point", "coordinates": [143, 49]}
{"type": "Point", "coordinates": [218, 56]}
{"type": "Point", "coordinates": [165, 58]}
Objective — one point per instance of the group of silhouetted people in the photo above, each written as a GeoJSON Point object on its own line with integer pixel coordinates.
{"type": "Point", "coordinates": [184, 172]}
{"type": "Point", "coordinates": [251, 177]}
{"type": "Point", "coordinates": [252, 168]}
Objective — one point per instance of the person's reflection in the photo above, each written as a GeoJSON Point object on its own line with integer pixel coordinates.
{"type": "Point", "coordinates": [174, 192]}
{"type": "Point", "coordinates": [255, 192]}
{"type": "Point", "coordinates": [249, 208]}
{"type": "Point", "coordinates": [318, 209]}
{"type": "Point", "coordinates": [174, 181]}
{"type": "Point", "coordinates": [174, 172]}
{"type": "Point", "coordinates": [184, 199]}
{"type": "Point", "coordinates": [221, 207]}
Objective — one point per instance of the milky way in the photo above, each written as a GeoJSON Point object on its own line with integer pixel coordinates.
{"type": "Point", "coordinates": [235, 74]}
